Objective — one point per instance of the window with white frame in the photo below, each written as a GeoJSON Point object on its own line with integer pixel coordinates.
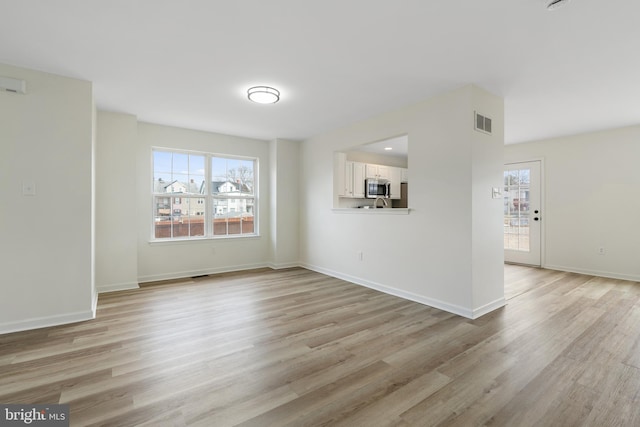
{"type": "Point", "coordinates": [203, 195]}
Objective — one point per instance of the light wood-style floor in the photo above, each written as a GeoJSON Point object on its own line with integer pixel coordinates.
{"type": "Point", "coordinates": [297, 348]}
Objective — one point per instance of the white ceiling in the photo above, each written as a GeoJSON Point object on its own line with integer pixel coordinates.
{"type": "Point", "coordinates": [397, 146]}
{"type": "Point", "coordinates": [188, 63]}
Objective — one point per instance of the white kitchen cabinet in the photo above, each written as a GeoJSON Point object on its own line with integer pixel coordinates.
{"type": "Point", "coordinates": [371, 171]}
{"type": "Point", "coordinates": [377, 171]}
{"type": "Point", "coordinates": [358, 180]}
{"type": "Point", "coordinates": [404, 177]}
{"type": "Point", "coordinates": [354, 179]}
{"type": "Point", "coordinates": [383, 172]}
{"type": "Point", "coordinates": [395, 177]}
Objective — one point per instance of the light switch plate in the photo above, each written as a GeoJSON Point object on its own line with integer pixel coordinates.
{"type": "Point", "coordinates": [496, 193]}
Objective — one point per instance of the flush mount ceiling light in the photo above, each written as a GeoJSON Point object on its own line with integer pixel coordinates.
{"type": "Point", "coordinates": [554, 4]}
{"type": "Point", "coordinates": [263, 94]}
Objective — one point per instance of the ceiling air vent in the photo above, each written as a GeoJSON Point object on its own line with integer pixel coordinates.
{"type": "Point", "coordinates": [482, 123]}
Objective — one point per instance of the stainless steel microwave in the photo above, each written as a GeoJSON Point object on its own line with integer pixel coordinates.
{"type": "Point", "coordinates": [374, 188]}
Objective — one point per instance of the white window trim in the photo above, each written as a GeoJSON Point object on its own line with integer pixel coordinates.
{"type": "Point", "coordinates": [208, 199]}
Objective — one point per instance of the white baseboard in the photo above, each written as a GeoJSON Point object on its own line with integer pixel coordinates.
{"type": "Point", "coordinates": [44, 322]}
{"type": "Point", "coordinates": [488, 308]}
{"type": "Point", "coordinates": [598, 273]}
{"type": "Point", "coordinates": [118, 287]}
{"type": "Point", "coordinates": [280, 266]}
{"type": "Point", "coordinates": [431, 302]}
{"type": "Point", "coordinates": [94, 306]}
{"type": "Point", "coordinates": [203, 272]}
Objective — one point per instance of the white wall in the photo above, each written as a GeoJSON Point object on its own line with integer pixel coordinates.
{"type": "Point", "coordinates": [591, 195]}
{"type": "Point", "coordinates": [47, 244]}
{"type": "Point", "coordinates": [487, 255]}
{"type": "Point", "coordinates": [428, 255]}
{"type": "Point", "coordinates": [165, 260]}
{"type": "Point", "coordinates": [117, 202]}
{"type": "Point", "coordinates": [284, 199]}
{"type": "Point", "coordinates": [377, 159]}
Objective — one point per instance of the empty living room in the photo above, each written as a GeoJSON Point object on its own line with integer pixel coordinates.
{"type": "Point", "coordinates": [331, 214]}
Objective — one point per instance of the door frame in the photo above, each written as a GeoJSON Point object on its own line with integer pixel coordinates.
{"type": "Point", "coordinates": [543, 198]}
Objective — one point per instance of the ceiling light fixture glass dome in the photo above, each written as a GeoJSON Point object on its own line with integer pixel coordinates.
{"type": "Point", "coordinates": [263, 94]}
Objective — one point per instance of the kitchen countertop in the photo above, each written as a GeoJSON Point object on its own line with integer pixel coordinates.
{"type": "Point", "coordinates": [379, 211]}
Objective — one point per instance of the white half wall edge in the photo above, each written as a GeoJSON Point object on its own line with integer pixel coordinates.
{"type": "Point", "coordinates": [440, 305]}
{"type": "Point", "coordinates": [103, 289]}
{"type": "Point", "coordinates": [607, 274]}
{"type": "Point", "coordinates": [188, 274]}
{"type": "Point", "coordinates": [45, 322]}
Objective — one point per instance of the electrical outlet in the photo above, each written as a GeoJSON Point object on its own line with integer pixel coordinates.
{"type": "Point", "coordinates": [601, 250]}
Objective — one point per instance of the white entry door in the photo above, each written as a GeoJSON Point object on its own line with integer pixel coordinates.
{"type": "Point", "coordinates": [522, 213]}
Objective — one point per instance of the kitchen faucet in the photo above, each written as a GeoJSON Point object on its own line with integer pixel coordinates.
{"type": "Point", "coordinates": [384, 202]}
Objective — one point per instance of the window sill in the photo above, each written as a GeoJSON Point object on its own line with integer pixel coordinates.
{"type": "Point", "coordinates": [201, 240]}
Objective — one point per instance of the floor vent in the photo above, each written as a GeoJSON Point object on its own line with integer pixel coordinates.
{"type": "Point", "coordinates": [482, 123]}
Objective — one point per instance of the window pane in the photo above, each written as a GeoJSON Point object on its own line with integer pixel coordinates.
{"type": "Point", "coordinates": [162, 161]}
{"type": "Point", "coordinates": [516, 209]}
{"type": "Point", "coordinates": [180, 164]}
{"type": "Point", "coordinates": [179, 217]}
{"type": "Point", "coordinates": [181, 182]}
{"type": "Point", "coordinates": [231, 176]}
{"type": "Point", "coordinates": [220, 217]}
{"type": "Point", "coordinates": [161, 171]}
{"type": "Point", "coordinates": [511, 178]}
{"type": "Point", "coordinates": [178, 173]}
{"type": "Point", "coordinates": [162, 217]}
{"type": "Point", "coordinates": [233, 216]}
{"type": "Point", "coordinates": [188, 218]}
{"type": "Point", "coordinates": [196, 165]}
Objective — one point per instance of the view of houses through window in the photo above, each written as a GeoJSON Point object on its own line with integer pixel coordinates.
{"type": "Point", "coordinates": [516, 209]}
{"type": "Point", "coordinates": [199, 195]}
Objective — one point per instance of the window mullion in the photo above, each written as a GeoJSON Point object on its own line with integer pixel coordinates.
{"type": "Point", "coordinates": [208, 205]}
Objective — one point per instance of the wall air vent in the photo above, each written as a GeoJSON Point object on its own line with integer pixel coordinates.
{"type": "Point", "coordinates": [13, 85]}
{"type": "Point", "coordinates": [482, 123]}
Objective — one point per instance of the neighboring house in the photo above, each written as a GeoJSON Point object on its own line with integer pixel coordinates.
{"type": "Point", "coordinates": [176, 205]}
{"type": "Point", "coordinates": [229, 206]}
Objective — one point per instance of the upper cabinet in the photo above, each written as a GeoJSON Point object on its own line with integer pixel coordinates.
{"type": "Point", "coordinates": [355, 178]}
{"type": "Point", "coordinates": [395, 175]}
{"type": "Point", "coordinates": [377, 171]}
{"type": "Point", "coordinates": [349, 177]}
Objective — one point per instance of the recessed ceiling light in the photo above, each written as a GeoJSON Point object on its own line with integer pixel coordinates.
{"type": "Point", "coordinates": [388, 148]}
{"type": "Point", "coordinates": [263, 94]}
